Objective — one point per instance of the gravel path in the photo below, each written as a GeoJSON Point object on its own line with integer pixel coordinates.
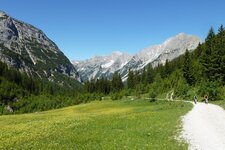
{"type": "Point", "coordinates": [204, 127]}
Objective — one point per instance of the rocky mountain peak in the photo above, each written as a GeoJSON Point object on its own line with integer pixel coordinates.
{"type": "Point", "coordinates": [28, 49]}
{"type": "Point", "coordinates": [117, 53]}
{"type": "Point", "coordinates": [156, 54]}
{"type": "Point", "coordinates": [3, 14]}
{"type": "Point", "coordinates": [101, 66]}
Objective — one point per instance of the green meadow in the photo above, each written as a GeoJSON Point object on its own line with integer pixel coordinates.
{"type": "Point", "coordinates": [122, 124]}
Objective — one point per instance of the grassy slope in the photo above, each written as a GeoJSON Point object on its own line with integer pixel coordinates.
{"type": "Point", "coordinates": [220, 103]}
{"type": "Point", "coordinates": [97, 125]}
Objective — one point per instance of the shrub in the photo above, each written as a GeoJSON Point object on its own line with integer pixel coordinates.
{"type": "Point", "coordinates": [116, 96]}
{"type": "Point", "coordinates": [212, 89]}
{"type": "Point", "coordinates": [181, 90]}
{"type": "Point", "coordinates": [152, 96]}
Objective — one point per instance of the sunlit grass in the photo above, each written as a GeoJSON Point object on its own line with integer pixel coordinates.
{"type": "Point", "coordinates": [219, 102]}
{"type": "Point", "coordinates": [97, 125]}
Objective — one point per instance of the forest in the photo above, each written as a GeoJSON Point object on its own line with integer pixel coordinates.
{"type": "Point", "coordinates": [199, 72]}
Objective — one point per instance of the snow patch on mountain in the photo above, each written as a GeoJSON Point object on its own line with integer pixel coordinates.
{"type": "Point", "coordinates": [108, 64]}
{"type": "Point", "coordinates": [101, 66]}
{"type": "Point", "coordinates": [105, 66]}
{"type": "Point", "coordinates": [158, 54]}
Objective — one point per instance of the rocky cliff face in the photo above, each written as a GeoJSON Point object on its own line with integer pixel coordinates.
{"type": "Point", "coordinates": [30, 50]}
{"type": "Point", "coordinates": [157, 54]}
{"type": "Point", "coordinates": [101, 66]}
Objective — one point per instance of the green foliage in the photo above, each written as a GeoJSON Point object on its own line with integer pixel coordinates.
{"type": "Point", "coordinates": [166, 70]}
{"type": "Point", "coordinates": [181, 90]}
{"type": "Point", "coordinates": [131, 80]}
{"type": "Point", "coordinates": [9, 91]}
{"type": "Point", "coordinates": [187, 69]}
{"type": "Point", "coordinates": [152, 96]}
{"type": "Point", "coordinates": [150, 75]}
{"type": "Point", "coordinates": [104, 86]}
{"type": "Point", "coordinates": [116, 96]}
{"type": "Point", "coordinates": [212, 58]}
{"type": "Point", "coordinates": [212, 89]}
{"type": "Point", "coordinates": [211, 35]}
{"type": "Point", "coordinates": [25, 94]}
{"type": "Point", "coordinates": [117, 84]}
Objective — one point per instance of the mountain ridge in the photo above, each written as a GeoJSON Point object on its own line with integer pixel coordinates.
{"type": "Point", "coordinates": [155, 54]}
{"type": "Point", "coordinates": [101, 66]}
{"type": "Point", "coordinates": [28, 49]}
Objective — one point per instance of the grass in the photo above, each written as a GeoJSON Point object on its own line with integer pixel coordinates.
{"type": "Point", "coordinates": [219, 102]}
{"type": "Point", "coordinates": [97, 125]}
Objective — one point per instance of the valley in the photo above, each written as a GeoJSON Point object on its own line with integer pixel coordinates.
{"type": "Point", "coordinates": [137, 98]}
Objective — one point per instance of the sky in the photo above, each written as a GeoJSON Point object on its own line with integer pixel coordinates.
{"type": "Point", "coordinates": [86, 28]}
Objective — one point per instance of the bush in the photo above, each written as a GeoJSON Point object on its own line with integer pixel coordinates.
{"type": "Point", "coordinates": [181, 90]}
{"type": "Point", "coordinates": [116, 96]}
{"type": "Point", "coordinates": [212, 89]}
{"type": "Point", "coordinates": [152, 96]}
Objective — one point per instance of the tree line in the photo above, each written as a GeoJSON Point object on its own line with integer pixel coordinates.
{"type": "Point", "coordinates": [23, 93]}
{"type": "Point", "coordinates": [197, 72]}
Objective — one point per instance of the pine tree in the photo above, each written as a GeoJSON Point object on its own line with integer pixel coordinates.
{"type": "Point", "coordinates": [207, 57]}
{"type": "Point", "coordinates": [166, 70]}
{"type": "Point", "coordinates": [144, 76]}
{"type": "Point", "coordinates": [150, 74]}
{"type": "Point", "coordinates": [221, 30]}
{"type": "Point", "coordinates": [198, 51]}
{"type": "Point", "coordinates": [117, 83]}
{"type": "Point", "coordinates": [187, 70]}
{"type": "Point", "coordinates": [137, 77]}
{"type": "Point", "coordinates": [221, 40]}
{"type": "Point", "coordinates": [130, 80]}
{"type": "Point", "coordinates": [211, 34]}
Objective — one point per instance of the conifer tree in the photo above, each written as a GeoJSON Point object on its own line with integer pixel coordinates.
{"type": "Point", "coordinates": [211, 34]}
{"type": "Point", "coordinates": [166, 70]}
{"type": "Point", "coordinates": [144, 76]}
{"type": "Point", "coordinates": [117, 83]}
{"type": "Point", "coordinates": [130, 80]}
{"type": "Point", "coordinates": [207, 58]}
{"type": "Point", "coordinates": [150, 74]}
{"type": "Point", "coordinates": [221, 30]}
{"type": "Point", "coordinates": [187, 69]}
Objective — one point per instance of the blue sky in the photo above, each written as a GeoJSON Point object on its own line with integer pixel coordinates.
{"type": "Point", "coordinates": [84, 28]}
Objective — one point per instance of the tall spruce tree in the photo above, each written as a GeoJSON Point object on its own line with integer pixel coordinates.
{"type": "Point", "coordinates": [211, 34]}
{"type": "Point", "coordinates": [150, 74]}
{"type": "Point", "coordinates": [221, 36]}
{"type": "Point", "coordinates": [221, 30]}
{"type": "Point", "coordinates": [117, 83]}
{"type": "Point", "coordinates": [187, 68]}
{"type": "Point", "coordinates": [207, 57]}
{"type": "Point", "coordinates": [144, 76]}
{"type": "Point", "coordinates": [166, 70]}
{"type": "Point", "coordinates": [130, 80]}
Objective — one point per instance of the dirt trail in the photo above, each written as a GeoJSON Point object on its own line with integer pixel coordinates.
{"type": "Point", "coordinates": [204, 127]}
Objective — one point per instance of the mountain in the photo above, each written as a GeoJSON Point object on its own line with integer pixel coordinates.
{"type": "Point", "coordinates": [101, 66]}
{"type": "Point", "coordinates": [157, 54]}
{"type": "Point", "coordinates": [29, 50]}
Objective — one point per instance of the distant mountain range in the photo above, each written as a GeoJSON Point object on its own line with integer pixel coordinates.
{"type": "Point", "coordinates": [29, 50]}
{"type": "Point", "coordinates": [101, 66]}
{"type": "Point", "coordinates": [105, 66]}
